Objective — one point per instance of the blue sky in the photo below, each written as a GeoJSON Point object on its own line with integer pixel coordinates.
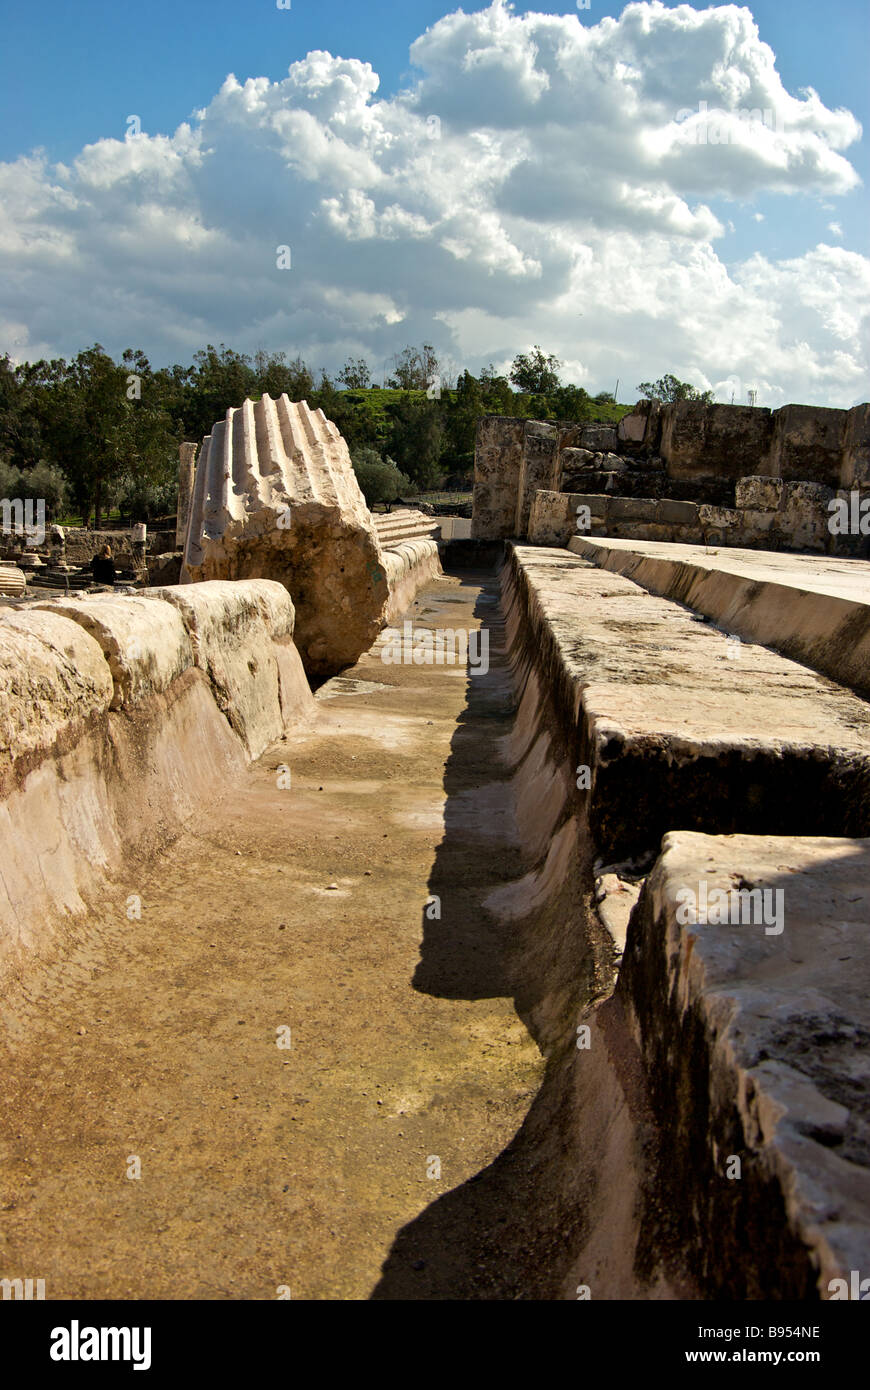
{"type": "Point", "coordinates": [73, 73]}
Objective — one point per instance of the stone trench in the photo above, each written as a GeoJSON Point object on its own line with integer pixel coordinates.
{"type": "Point", "coordinates": [362, 1035]}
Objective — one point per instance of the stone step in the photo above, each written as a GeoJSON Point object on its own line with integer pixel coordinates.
{"type": "Point", "coordinates": [754, 1019]}
{"type": "Point", "coordinates": [680, 726]}
{"type": "Point", "coordinates": [813, 609]}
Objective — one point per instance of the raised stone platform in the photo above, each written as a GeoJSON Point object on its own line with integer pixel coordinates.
{"type": "Point", "coordinates": [755, 1044]}
{"type": "Point", "coordinates": [812, 609]}
{"type": "Point", "coordinates": [679, 727]}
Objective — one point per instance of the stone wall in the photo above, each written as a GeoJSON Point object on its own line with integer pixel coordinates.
{"type": "Point", "coordinates": [498, 455]}
{"type": "Point", "coordinates": [83, 544]}
{"type": "Point", "coordinates": [687, 452]}
{"type": "Point", "coordinates": [771, 515]}
{"type": "Point", "coordinates": [119, 716]}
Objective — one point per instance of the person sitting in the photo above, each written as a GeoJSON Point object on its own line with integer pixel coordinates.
{"type": "Point", "coordinates": [103, 566]}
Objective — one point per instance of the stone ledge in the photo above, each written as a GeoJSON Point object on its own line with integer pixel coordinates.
{"type": "Point", "coordinates": [814, 612]}
{"type": "Point", "coordinates": [757, 1040]}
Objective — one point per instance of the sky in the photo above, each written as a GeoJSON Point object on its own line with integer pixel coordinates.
{"type": "Point", "coordinates": [639, 188]}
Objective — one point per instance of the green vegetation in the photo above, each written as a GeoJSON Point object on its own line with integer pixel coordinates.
{"type": "Point", "coordinates": [97, 438]}
{"type": "Point", "coordinates": [379, 478]}
{"type": "Point", "coordinates": [670, 388]}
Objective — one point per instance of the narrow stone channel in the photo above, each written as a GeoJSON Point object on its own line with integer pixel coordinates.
{"type": "Point", "coordinates": [312, 1046]}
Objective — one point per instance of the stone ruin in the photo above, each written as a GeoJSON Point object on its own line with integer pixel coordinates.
{"type": "Point", "coordinates": [657, 718]}
{"type": "Point", "coordinates": [688, 471]}
{"type": "Point", "coordinates": [275, 496]}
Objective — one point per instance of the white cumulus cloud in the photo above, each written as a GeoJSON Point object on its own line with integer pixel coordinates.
{"type": "Point", "coordinates": [541, 180]}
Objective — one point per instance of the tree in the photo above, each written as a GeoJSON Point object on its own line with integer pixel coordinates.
{"type": "Point", "coordinates": [275, 376]}
{"type": "Point", "coordinates": [45, 482]}
{"type": "Point", "coordinates": [355, 374]}
{"type": "Point", "coordinates": [670, 388]}
{"type": "Point", "coordinates": [417, 438]}
{"type": "Point", "coordinates": [379, 478]}
{"type": "Point", "coordinates": [535, 373]}
{"type": "Point", "coordinates": [218, 379]}
{"type": "Point", "coordinates": [100, 419]}
{"type": "Point", "coordinates": [20, 434]}
{"type": "Point", "coordinates": [415, 369]}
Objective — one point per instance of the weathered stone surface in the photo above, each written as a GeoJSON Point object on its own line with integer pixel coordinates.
{"type": "Point", "coordinates": [677, 513]}
{"type": "Point", "coordinates": [805, 515]}
{"type": "Point", "coordinates": [577, 460]}
{"type": "Point", "coordinates": [186, 456]}
{"type": "Point", "coordinates": [540, 464]}
{"type": "Point", "coordinates": [640, 432]}
{"type": "Point", "coordinates": [111, 738]}
{"type": "Point", "coordinates": [165, 569]}
{"type": "Point", "coordinates": [726, 441]}
{"type": "Point", "coordinates": [53, 677]}
{"type": "Point", "coordinates": [276, 497]}
{"type": "Point", "coordinates": [405, 524]}
{"type": "Point", "coordinates": [677, 728]}
{"type": "Point", "coordinates": [232, 628]}
{"type": "Point", "coordinates": [631, 428]}
{"type": "Point", "coordinates": [757, 523]}
{"type": "Point", "coordinates": [762, 1034]}
{"type": "Point", "coordinates": [807, 444]}
{"type": "Point", "coordinates": [498, 456]}
{"type": "Point", "coordinates": [758, 493]}
{"type": "Point", "coordinates": [719, 518]}
{"type": "Point", "coordinates": [855, 462]}
{"type": "Point", "coordinates": [817, 612]}
{"type": "Point", "coordinates": [553, 518]}
{"type": "Point", "coordinates": [145, 645]}
{"type": "Point", "coordinates": [601, 439]}
{"type": "Point", "coordinates": [13, 580]}
{"type": "Point", "coordinates": [632, 509]}
{"type": "Point", "coordinates": [646, 530]}
{"type": "Point", "coordinates": [407, 565]}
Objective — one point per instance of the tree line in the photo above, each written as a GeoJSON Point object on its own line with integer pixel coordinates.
{"type": "Point", "coordinates": [92, 435]}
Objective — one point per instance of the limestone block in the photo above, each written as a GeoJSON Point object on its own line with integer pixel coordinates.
{"type": "Point", "coordinates": [722, 518]}
{"type": "Point", "coordinates": [52, 677]}
{"type": "Point", "coordinates": [231, 627]}
{"type": "Point", "coordinates": [538, 468]}
{"type": "Point", "coordinates": [722, 441]}
{"type": "Point", "coordinates": [144, 643]}
{"type": "Point", "coordinates": [807, 443]}
{"type": "Point", "coordinates": [640, 530]}
{"type": "Point", "coordinates": [412, 563]}
{"type": "Point", "coordinates": [498, 454]}
{"type": "Point", "coordinates": [671, 512]}
{"type": "Point", "coordinates": [601, 439]}
{"type": "Point", "coordinates": [553, 518]}
{"type": "Point", "coordinates": [758, 493]}
{"type": "Point", "coordinates": [749, 997]}
{"type": "Point", "coordinates": [276, 498]}
{"type": "Point", "coordinates": [575, 460]}
{"type": "Point", "coordinates": [640, 431]}
{"type": "Point", "coordinates": [760, 523]}
{"type": "Point", "coordinates": [805, 494]}
{"type": "Point", "coordinates": [632, 509]}
{"type": "Point", "coordinates": [855, 462]}
{"type": "Point", "coordinates": [186, 456]}
{"type": "Point", "coordinates": [13, 580]}
{"type": "Point", "coordinates": [631, 429]}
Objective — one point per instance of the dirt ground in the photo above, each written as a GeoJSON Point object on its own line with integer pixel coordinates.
{"type": "Point", "coordinates": [404, 1144]}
